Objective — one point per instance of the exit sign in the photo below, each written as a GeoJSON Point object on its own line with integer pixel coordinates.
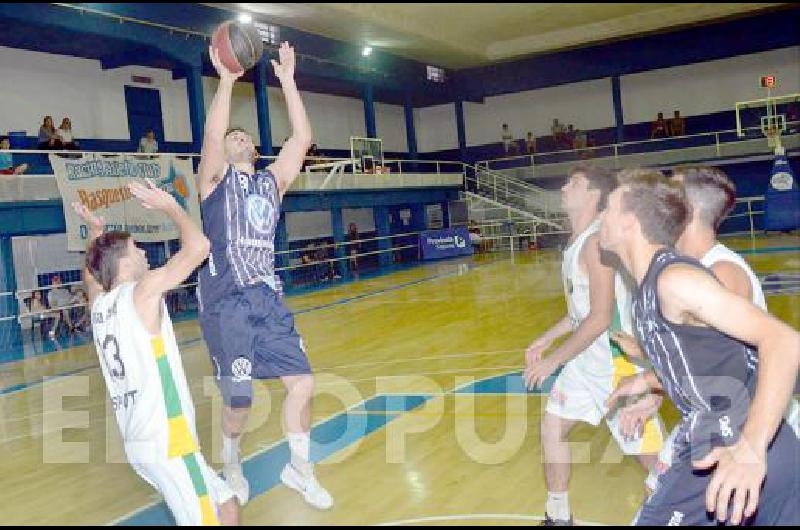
{"type": "Point", "coordinates": [768, 81]}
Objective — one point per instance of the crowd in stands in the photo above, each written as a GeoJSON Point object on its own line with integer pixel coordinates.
{"type": "Point", "coordinates": [59, 311]}
{"type": "Point", "coordinates": [52, 139]}
{"type": "Point", "coordinates": [564, 137]}
{"type": "Point", "coordinates": [663, 128]}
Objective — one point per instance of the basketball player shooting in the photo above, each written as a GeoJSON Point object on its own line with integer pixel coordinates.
{"type": "Point", "coordinates": [249, 330]}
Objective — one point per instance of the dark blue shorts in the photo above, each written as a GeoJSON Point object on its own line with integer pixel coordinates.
{"type": "Point", "coordinates": [251, 335]}
{"type": "Point", "coordinates": [680, 499]}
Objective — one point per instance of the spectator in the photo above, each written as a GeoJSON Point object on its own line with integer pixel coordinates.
{"type": "Point", "coordinates": [65, 134]}
{"type": "Point", "coordinates": [530, 144]}
{"type": "Point", "coordinates": [7, 166]}
{"type": "Point", "coordinates": [79, 315]}
{"type": "Point", "coordinates": [48, 135]}
{"type": "Point", "coordinates": [475, 237]}
{"type": "Point", "coordinates": [569, 137]}
{"type": "Point", "coordinates": [508, 138]}
{"type": "Point", "coordinates": [38, 310]}
{"type": "Point", "coordinates": [580, 139]}
{"type": "Point", "coordinates": [148, 143]}
{"type": "Point", "coordinates": [677, 124]}
{"type": "Point", "coordinates": [353, 248]}
{"type": "Point", "coordinates": [558, 134]}
{"type": "Point", "coordinates": [59, 297]}
{"type": "Point", "coordinates": [659, 129]}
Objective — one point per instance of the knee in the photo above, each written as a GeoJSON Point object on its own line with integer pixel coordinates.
{"type": "Point", "coordinates": [302, 387]}
{"type": "Point", "coordinates": [552, 431]}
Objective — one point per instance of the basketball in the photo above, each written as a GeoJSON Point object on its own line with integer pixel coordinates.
{"type": "Point", "coordinates": [239, 45]}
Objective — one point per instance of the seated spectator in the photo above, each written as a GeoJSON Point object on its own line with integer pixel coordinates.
{"type": "Point", "coordinates": [65, 134]}
{"type": "Point", "coordinates": [148, 143]}
{"type": "Point", "coordinates": [37, 307]}
{"type": "Point", "coordinates": [660, 128]}
{"type": "Point", "coordinates": [59, 297]}
{"type": "Point", "coordinates": [79, 316]}
{"type": "Point", "coordinates": [569, 137]}
{"type": "Point", "coordinates": [48, 135]}
{"type": "Point", "coordinates": [7, 166]}
{"type": "Point", "coordinates": [677, 124]}
{"type": "Point", "coordinates": [580, 139]}
{"type": "Point", "coordinates": [530, 144]}
{"type": "Point", "coordinates": [559, 135]}
{"type": "Point", "coordinates": [508, 138]}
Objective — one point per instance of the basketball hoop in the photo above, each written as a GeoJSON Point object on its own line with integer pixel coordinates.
{"type": "Point", "coordinates": [773, 135]}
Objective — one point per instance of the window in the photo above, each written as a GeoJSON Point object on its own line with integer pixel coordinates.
{"type": "Point", "coordinates": [269, 33]}
{"type": "Point", "coordinates": [435, 74]}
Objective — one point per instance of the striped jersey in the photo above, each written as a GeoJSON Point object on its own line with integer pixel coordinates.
{"type": "Point", "coordinates": [145, 380]}
{"type": "Point", "coordinates": [240, 219]}
{"type": "Point", "coordinates": [709, 376]}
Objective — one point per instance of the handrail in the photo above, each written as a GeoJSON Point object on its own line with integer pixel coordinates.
{"type": "Point", "coordinates": [618, 145]}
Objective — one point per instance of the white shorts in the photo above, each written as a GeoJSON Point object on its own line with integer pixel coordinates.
{"type": "Point", "coordinates": [665, 456]}
{"type": "Point", "coordinates": [191, 489]}
{"type": "Point", "coordinates": [580, 394]}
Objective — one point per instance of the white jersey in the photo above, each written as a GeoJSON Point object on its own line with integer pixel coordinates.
{"type": "Point", "coordinates": [722, 253]}
{"type": "Point", "coordinates": [578, 295]}
{"type": "Point", "coordinates": [145, 380]}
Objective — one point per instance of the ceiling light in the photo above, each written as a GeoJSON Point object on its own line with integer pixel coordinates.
{"type": "Point", "coordinates": [367, 51]}
{"type": "Point", "coordinates": [245, 18]}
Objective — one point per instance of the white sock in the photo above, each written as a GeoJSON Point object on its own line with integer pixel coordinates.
{"type": "Point", "coordinates": [230, 451]}
{"type": "Point", "coordinates": [300, 446]}
{"type": "Point", "coordinates": [557, 506]}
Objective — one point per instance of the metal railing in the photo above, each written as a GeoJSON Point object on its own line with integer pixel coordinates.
{"type": "Point", "coordinates": [620, 153]}
{"type": "Point", "coordinates": [341, 173]}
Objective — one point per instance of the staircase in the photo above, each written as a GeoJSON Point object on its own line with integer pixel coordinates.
{"type": "Point", "coordinates": [513, 199]}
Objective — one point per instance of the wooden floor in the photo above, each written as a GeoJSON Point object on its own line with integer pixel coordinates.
{"type": "Point", "coordinates": [417, 418]}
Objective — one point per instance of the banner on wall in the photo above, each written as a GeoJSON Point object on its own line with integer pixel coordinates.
{"type": "Point", "coordinates": [445, 243]}
{"type": "Point", "coordinates": [782, 199]}
{"type": "Point", "coordinates": [101, 183]}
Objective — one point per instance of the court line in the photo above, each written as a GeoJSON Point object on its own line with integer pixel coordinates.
{"type": "Point", "coordinates": [277, 444]}
{"type": "Point", "coordinates": [476, 517]}
{"type": "Point", "coordinates": [25, 386]}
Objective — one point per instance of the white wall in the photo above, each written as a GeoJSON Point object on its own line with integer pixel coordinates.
{"type": "Point", "coordinates": [587, 105]}
{"type": "Point", "coordinates": [308, 225]}
{"type": "Point", "coordinates": [390, 122]}
{"type": "Point", "coordinates": [436, 128]}
{"type": "Point", "coordinates": [364, 218]}
{"type": "Point", "coordinates": [708, 87]}
{"type": "Point", "coordinates": [35, 84]}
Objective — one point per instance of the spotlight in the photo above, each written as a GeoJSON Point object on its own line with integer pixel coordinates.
{"type": "Point", "coordinates": [245, 18]}
{"type": "Point", "coordinates": [367, 51]}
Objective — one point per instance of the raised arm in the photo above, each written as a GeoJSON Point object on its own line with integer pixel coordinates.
{"type": "Point", "coordinates": [147, 294]}
{"type": "Point", "coordinates": [741, 468]}
{"type": "Point", "coordinates": [212, 154]}
{"type": "Point", "coordinates": [95, 226]}
{"type": "Point", "coordinates": [293, 153]}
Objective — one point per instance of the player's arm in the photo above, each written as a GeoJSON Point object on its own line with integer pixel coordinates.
{"type": "Point", "coordinates": [741, 468]}
{"type": "Point", "coordinates": [287, 166]}
{"type": "Point", "coordinates": [601, 300]}
{"type": "Point", "coordinates": [212, 154]}
{"type": "Point", "coordinates": [147, 294]}
{"type": "Point", "coordinates": [534, 352]}
{"type": "Point", "coordinates": [734, 278]}
{"type": "Point", "coordinates": [94, 224]}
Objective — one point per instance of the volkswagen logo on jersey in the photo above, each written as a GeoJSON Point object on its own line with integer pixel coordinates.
{"type": "Point", "coordinates": [242, 370]}
{"type": "Point", "coordinates": [259, 213]}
